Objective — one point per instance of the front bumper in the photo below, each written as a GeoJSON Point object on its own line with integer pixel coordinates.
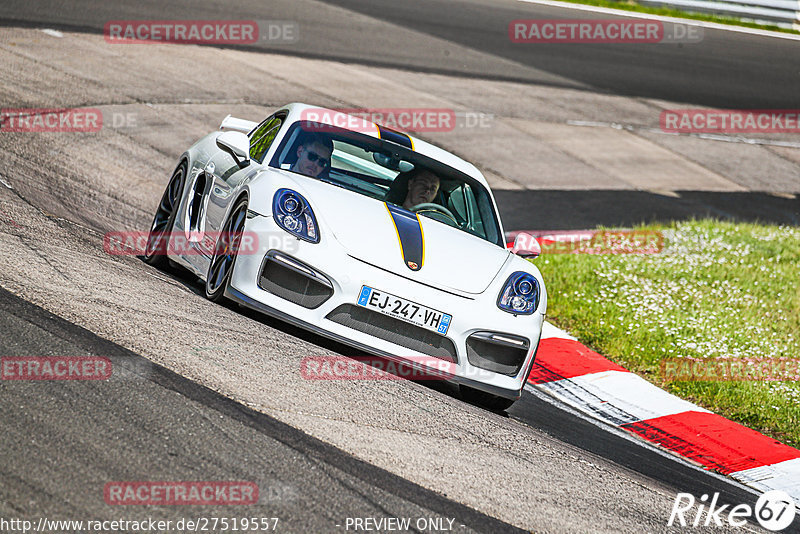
{"type": "Point", "coordinates": [472, 314]}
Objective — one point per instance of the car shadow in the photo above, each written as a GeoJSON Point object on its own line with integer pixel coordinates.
{"type": "Point", "coordinates": [434, 382]}
{"type": "Point", "coordinates": [401, 371]}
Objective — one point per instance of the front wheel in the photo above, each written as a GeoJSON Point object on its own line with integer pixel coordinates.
{"type": "Point", "coordinates": [485, 400]}
{"type": "Point", "coordinates": [230, 238]}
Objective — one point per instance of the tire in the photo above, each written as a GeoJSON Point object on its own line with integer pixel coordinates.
{"type": "Point", "coordinates": [485, 400]}
{"type": "Point", "coordinates": [225, 251]}
{"type": "Point", "coordinates": [164, 220]}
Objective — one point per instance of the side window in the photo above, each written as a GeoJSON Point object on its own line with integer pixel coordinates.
{"type": "Point", "coordinates": [458, 203]}
{"type": "Point", "coordinates": [263, 136]}
{"type": "Point", "coordinates": [473, 212]}
{"type": "Point", "coordinates": [486, 223]}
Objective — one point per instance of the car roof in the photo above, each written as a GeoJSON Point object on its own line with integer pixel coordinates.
{"type": "Point", "coordinates": [298, 111]}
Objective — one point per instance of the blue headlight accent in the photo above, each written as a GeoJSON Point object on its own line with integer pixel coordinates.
{"type": "Point", "coordinates": [293, 213]}
{"type": "Point", "coordinates": [520, 294]}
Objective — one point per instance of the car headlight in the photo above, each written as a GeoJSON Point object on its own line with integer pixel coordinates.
{"type": "Point", "coordinates": [293, 213]}
{"type": "Point", "coordinates": [520, 294]}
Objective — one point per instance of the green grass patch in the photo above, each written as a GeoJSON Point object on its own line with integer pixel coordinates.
{"type": "Point", "coordinates": [630, 5]}
{"type": "Point", "coordinates": [717, 290]}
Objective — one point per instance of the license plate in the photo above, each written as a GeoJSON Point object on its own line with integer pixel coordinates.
{"type": "Point", "coordinates": [404, 309]}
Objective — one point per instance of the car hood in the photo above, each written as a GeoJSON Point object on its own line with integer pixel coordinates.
{"type": "Point", "coordinates": [452, 259]}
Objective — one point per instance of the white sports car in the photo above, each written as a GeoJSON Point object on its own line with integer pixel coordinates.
{"type": "Point", "coordinates": [364, 235]}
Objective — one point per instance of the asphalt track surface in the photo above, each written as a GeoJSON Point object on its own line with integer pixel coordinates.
{"type": "Point", "coordinates": [725, 70]}
{"type": "Point", "coordinates": [62, 442]}
{"type": "Point", "coordinates": [469, 38]}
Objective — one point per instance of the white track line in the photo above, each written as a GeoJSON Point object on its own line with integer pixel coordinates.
{"type": "Point", "coordinates": [708, 136]}
{"type": "Point", "coordinates": [616, 431]}
{"type": "Point", "coordinates": [52, 33]}
{"type": "Point", "coordinates": [783, 476]}
{"type": "Point", "coordinates": [610, 399]}
{"type": "Point", "coordinates": [648, 16]}
{"type": "Point", "coordinates": [618, 398]}
{"type": "Point", "coordinates": [549, 330]}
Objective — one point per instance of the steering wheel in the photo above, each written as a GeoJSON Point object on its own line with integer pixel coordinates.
{"type": "Point", "coordinates": [432, 206]}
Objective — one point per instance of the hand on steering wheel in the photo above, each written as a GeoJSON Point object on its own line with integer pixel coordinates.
{"type": "Point", "coordinates": [432, 206]}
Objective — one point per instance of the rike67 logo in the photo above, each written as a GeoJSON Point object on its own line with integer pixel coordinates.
{"type": "Point", "coordinates": [774, 510]}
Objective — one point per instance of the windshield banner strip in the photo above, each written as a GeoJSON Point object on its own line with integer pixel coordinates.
{"type": "Point", "coordinates": [395, 137]}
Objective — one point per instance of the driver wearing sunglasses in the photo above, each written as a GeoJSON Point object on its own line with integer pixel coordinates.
{"type": "Point", "coordinates": [313, 156]}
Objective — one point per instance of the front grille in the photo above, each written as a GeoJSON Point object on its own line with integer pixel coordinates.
{"type": "Point", "coordinates": [394, 331]}
{"type": "Point", "coordinates": [492, 356]}
{"type": "Point", "coordinates": [293, 285]}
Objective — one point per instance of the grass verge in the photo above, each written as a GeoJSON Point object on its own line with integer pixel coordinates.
{"type": "Point", "coordinates": [630, 5]}
{"type": "Point", "coordinates": [717, 290]}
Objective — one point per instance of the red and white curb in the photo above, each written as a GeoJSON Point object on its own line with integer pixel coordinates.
{"type": "Point", "coordinates": [583, 379]}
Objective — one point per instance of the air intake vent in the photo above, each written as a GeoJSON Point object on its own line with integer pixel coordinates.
{"type": "Point", "coordinates": [394, 331]}
{"type": "Point", "coordinates": [294, 281]}
{"type": "Point", "coordinates": [500, 353]}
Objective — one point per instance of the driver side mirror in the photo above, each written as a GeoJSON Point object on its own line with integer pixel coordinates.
{"type": "Point", "coordinates": [526, 246]}
{"type": "Point", "coordinates": [237, 144]}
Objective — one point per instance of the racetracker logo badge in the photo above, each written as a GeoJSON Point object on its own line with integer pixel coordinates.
{"type": "Point", "coordinates": [181, 31]}
{"type": "Point", "coordinates": [51, 120]}
{"type": "Point", "coordinates": [602, 31]}
{"type": "Point", "coordinates": [180, 493]}
{"type": "Point", "coordinates": [730, 121]}
{"type": "Point", "coordinates": [364, 120]}
{"type": "Point", "coordinates": [55, 368]}
{"type": "Point", "coordinates": [775, 510]}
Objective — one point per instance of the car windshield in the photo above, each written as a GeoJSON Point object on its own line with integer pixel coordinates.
{"type": "Point", "coordinates": [383, 170]}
